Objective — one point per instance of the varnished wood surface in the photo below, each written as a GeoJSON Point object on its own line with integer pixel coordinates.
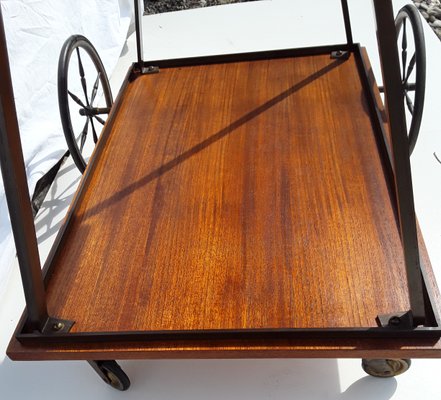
{"type": "Point", "coordinates": [284, 139]}
{"type": "Point", "coordinates": [323, 348]}
{"type": "Point", "coordinates": [366, 348]}
{"type": "Point", "coordinates": [243, 195]}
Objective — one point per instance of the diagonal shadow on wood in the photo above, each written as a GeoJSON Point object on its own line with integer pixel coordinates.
{"type": "Point", "coordinates": [210, 140]}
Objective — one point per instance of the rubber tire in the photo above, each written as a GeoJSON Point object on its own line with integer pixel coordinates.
{"type": "Point", "coordinates": [411, 13]}
{"type": "Point", "coordinates": [385, 368]}
{"type": "Point", "coordinates": [116, 377]}
{"type": "Point", "coordinates": [63, 97]}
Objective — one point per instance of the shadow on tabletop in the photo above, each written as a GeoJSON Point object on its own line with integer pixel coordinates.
{"type": "Point", "coordinates": [191, 379]}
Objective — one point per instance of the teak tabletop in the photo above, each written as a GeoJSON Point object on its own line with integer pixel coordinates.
{"type": "Point", "coordinates": [240, 195]}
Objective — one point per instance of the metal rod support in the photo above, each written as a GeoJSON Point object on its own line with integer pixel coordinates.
{"type": "Point", "coordinates": [347, 20]}
{"type": "Point", "coordinates": [138, 27]}
{"type": "Point", "coordinates": [386, 37]}
{"type": "Point", "coordinates": [17, 196]}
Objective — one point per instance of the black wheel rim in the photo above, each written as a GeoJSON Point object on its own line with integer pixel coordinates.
{"type": "Point", "coordinates": [82, 117]}
{"type": "Point", "coordinates": [412, 54]}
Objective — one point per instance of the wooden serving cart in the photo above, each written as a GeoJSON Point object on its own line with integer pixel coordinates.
{"type": "Point", "coordinates": [246, 205]}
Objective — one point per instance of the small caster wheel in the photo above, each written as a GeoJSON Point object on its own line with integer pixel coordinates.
{"type": "Point", "coordinates": [111, 373]}
{"type": "Point", "coordinates": [385, 368]}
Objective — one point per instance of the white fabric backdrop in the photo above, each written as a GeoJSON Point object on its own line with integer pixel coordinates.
{"type": "Point", "coordinates": [35, 33]}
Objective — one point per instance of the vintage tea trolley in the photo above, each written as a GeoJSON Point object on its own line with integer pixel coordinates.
{"type": "Point", "coordinates": [245, 205]}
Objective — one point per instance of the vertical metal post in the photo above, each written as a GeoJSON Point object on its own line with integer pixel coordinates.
{"type": "Point", "coordinates": [386, 37]}
{"type": "Point", "coordinates": [138, 26]}
{"type": "Point", "coordinates": [347, 20]}
{"type": "Point", "coordinates": [17, 196]}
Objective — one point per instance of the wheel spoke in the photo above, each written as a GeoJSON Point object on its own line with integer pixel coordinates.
{"type": "Point", "coordinates": [95, 88]}
{"type": "Point", "coordinates": [84, 135]}
{"type": "Point", "coordinates": [410, 68]}
{"type": "Point", "coordinates": [99, 119]}
{"type": "Point", "coordinates": [95, 136]}
{"type": "Point", "coordinates": [83, 79]}
{"type": "Point", "coordinates": [76, 99]}
{"type": "Point", "coordinates": [409, 102]}
{"type": "Point", "coordinates": [404, 49]}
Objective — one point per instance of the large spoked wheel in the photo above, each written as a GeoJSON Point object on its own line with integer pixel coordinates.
{"type": "Point", "coordinates": [385, 368]}
{"type": "Point", "coordinates": [84, 104]}
{"type": "Point", "coordinates": [410, 38]}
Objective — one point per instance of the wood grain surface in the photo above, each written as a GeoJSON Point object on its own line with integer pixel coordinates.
{"type": "Point", "coordinates": [234, 196]}
{"type": "Point", "coordinates": [322, 348]}
{"type": "Point", "coordinates": [330, 348]}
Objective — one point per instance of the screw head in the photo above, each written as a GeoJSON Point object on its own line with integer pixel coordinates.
{"type": "Point", "coordinates": [395, 321]}
{"type": "Point", "coordinates": [58, 326]}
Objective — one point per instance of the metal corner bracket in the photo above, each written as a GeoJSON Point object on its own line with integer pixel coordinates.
{"type": "Point", "coordinates": [340, 55]}
{"type": "Point", "coordinates": [138, 70]}
{"type": "Point", "coordinates": [398, 320]}
{"type": "Point", "coordinates": [55, 326]}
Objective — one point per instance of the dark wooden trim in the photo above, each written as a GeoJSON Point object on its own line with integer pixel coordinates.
{"type": "Point", "coordinates": [233, 334]}
{"type": "Point", "coordinates": [254, 56]}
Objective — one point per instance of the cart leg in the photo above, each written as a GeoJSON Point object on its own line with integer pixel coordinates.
{"type": "Point", "coordinates": [385, 368]}
{"type": "Point", "coordinates": [111, 373]}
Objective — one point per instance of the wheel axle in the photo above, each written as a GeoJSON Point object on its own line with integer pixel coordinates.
{"type": "Point", "coordinates": [92, 111]}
